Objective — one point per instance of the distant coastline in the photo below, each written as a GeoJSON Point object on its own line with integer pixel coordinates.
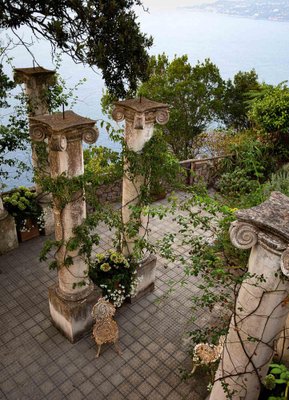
{"type": "Point", "coordinates": [259, 9]}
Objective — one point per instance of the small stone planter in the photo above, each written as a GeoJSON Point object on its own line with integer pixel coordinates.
{"type": "Point", "coordinates": [146, 271]}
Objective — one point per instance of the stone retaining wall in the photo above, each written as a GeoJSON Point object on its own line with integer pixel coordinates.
{"type": "Point", "coordinates": [109, 193]}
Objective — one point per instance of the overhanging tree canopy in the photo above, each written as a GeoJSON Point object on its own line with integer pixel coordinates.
{"type": "Point", "coordinates": [99, 33]}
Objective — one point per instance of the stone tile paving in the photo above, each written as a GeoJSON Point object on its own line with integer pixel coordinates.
{"type": "Point", "coordinates": [36, 362]}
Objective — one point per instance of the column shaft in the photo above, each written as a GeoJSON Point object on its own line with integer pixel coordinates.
{"type": "Point", "coordinates": [261, 308]}
{"type": "Point", "coordinates": [260, 314]}
{"type": "Point", "coordinates": [70, 163]}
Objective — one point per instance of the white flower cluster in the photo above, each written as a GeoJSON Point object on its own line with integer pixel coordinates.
{"type": "Point", "coordinates": [134, 285]}
{"type": "Point", "coordinates": [25, 228]}
{"type": "Point", "coordinates": [41, 220]}
{"type": "Point", "coordinates": [118, 295]}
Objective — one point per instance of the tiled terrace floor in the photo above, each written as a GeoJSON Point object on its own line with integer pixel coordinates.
{"type": "Point", "coordinates": [36, 362]}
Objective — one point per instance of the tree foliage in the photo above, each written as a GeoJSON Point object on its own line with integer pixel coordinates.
{"type": "Point", "coordinates": [13, 134]}
{"type": "Point", "coordinates": [270, 110]}
{"type": "Point", "coordinates": [99, 33]}
{"type": "Point", "coordinates": [193, 92]}
{"type": "Point", "coordinates": [5, 84]}
{"type": "Point", "coordinates": [236, 99]}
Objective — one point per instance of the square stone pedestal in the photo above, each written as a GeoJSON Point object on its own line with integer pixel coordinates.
{"type": "Point", "coordinates": [146, 271]}
{"type": "Point", "coordinates": [72, 318]}
{"type": "Point", "coordinates": [8, 234]}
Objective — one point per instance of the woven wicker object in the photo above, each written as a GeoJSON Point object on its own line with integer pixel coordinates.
{"type": "Point", "coordinates": [105, 329]}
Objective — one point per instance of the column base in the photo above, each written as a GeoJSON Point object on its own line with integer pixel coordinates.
{"type": "Point", "coordinates": [147, 273]}
{"type": "Point", "coordinates": [72, 318]}
{"type": "Point", "coordinates": [8, 234]}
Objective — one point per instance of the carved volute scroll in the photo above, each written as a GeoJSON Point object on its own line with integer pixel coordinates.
{"type": "Point", "coordinates": [285, 262]}
{"type": "Point", "coordinates": [90, 135]}
{"type": "Point", "coordinates": [242, 235]}
{"type": "Point", "coordinates": [162, 117]}
{"type": "Point", "coordinates": [118, 114]}
{"type": "Point", "coordinates": [37, 133]}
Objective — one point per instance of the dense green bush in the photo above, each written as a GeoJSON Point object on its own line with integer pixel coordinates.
{"type": "Point", "coordinates": [270, 110]}
{"type": "Point", "coordinates": [278, 181]}
{"type": "Point", "coordinates": [22, 205]}
{"type": "Point", "coordinates": [242, 174]}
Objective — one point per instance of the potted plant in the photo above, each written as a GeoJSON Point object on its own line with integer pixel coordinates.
{"type": "Point", "coordinates": [115, 275]}
{"type": "Point", "coordinates": [23, 206]}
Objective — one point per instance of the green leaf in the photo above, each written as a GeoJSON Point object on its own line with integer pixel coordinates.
{"type": "Point", "coordinates": [276, 371]}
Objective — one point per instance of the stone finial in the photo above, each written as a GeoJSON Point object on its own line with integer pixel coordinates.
{"type": "Point", "coordinates": [38, 74]}
{"type": "Point", "coordinates": [61, 128]}
{"type": "Point", "coordinates": [139, 111]}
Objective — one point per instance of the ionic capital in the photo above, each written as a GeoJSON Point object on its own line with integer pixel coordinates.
{"type": "Point", "coordinates": [245, 236]}
{"type": "Point", "coordinates": [32, 77]}
{"type": "Point", "coordinates": [141, 111]}
{"type": "Point", "coordinates": [270, 223]}
{"type": "Point", "coordinates": [139, 119]}
{"type": "Point", "coordinates": [63, 128]}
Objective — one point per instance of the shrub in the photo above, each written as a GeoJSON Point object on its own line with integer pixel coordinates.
{"type": "Point", "coordinates": [22, 205]}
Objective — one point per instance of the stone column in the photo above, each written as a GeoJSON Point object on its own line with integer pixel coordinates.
{"type": "Point", "coordinates": [37, 81]}
{"type": "Point", "coordinates": [8, 234]}
{"type": "Point", "coordinates": [262, 304]}
{"type": "Point", "coordinates": [140, 116]}
{"type": "Point", "coordinates": [70, 304]}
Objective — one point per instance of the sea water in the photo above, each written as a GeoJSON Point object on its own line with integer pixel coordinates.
{"type": "Point", "coordinates": [232, 43]}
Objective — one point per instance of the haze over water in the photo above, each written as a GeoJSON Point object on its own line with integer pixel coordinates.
{"type": "Point", "coordinates": [232, 43]}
